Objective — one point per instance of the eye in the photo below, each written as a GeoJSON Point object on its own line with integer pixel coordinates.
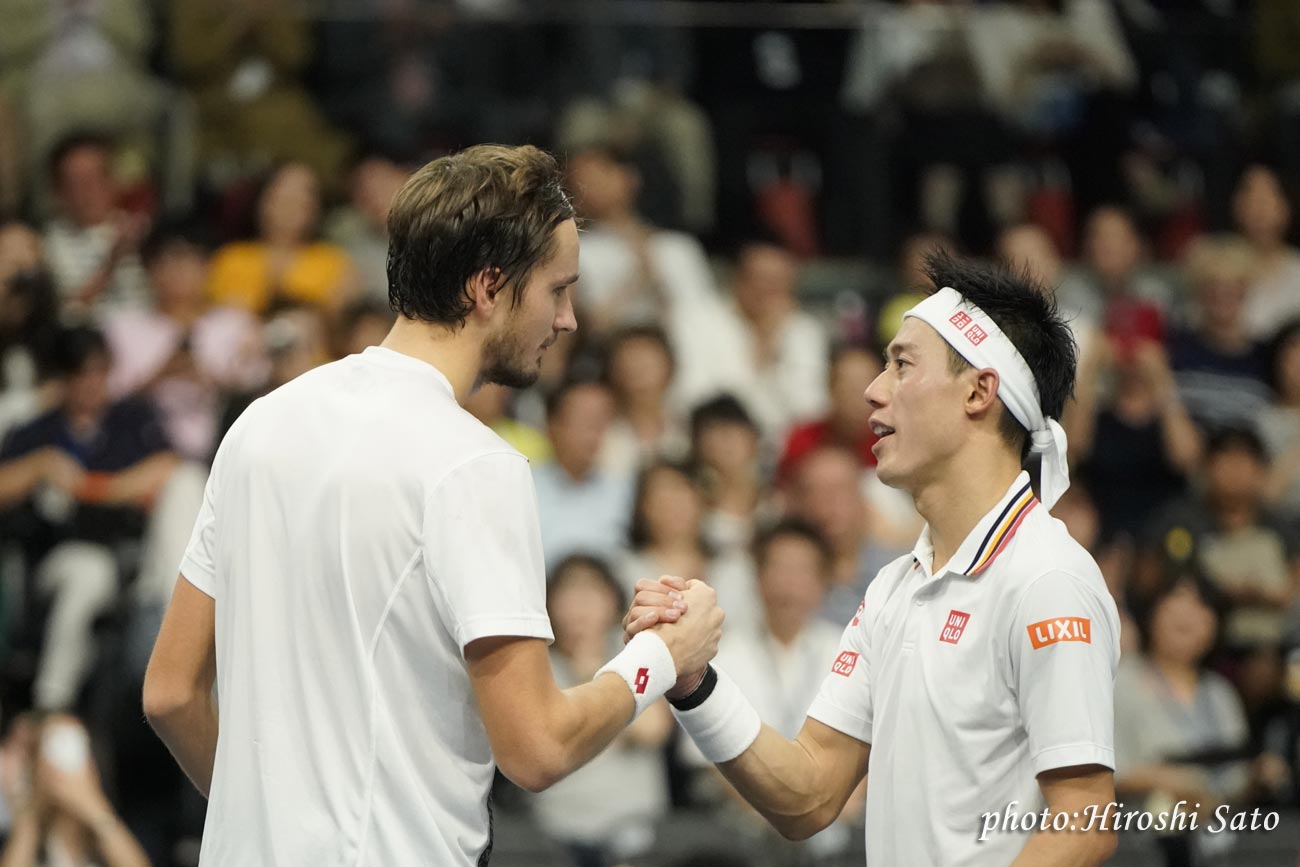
{"type": "Point", "coordinates": [900, 362]}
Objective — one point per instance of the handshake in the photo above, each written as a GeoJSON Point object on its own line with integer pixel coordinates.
{"type": "Point", "coordinates": [686, 616]}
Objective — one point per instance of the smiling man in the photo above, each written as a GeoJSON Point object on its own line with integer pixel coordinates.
{"type": "Point", "coordinates": [364, 583]}
{"type": "Point", "coordinates": [978, 674]}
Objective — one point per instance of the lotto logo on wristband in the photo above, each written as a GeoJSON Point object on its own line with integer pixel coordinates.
{"type": "Point", "coordinates": [845, 664]}
{"type": "Point", "coordinates": [642, 680]}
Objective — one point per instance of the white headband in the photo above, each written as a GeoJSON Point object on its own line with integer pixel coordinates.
{"type": "Point", "coordinates": [979, 340]}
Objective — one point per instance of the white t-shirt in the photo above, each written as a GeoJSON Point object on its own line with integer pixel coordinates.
{"type": "Point", "coordinates": [358, 530]}
{"type": "Point", "coordinates": [971, 681]}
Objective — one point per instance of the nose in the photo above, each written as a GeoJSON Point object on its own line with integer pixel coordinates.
{"type": "Point", "coordinates": [566, 320]}
{"type": "Point", "coordinates": [876, 395]}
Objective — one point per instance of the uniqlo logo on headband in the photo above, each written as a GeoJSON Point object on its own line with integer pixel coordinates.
{"type": "Point", "coordinates": [844, 666]}
{"type": "Point", "coordinates": [976, 335]}
{"type": "Point", "coordinates": [960, 319]}
{"type": "Point", "coordinates": [1058, 629]}
{"type": "Point", "coordinates": [954, 626]}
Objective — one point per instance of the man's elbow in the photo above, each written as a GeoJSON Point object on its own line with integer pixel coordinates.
{"type": "Point", "coordinates": [1104, 844]}
{"type": "Point", "coordinates": [799, 828]}
{"type": "Point", "coordinates": [534, 770]}
{"type": "Point", "coordinates": [164, 701]}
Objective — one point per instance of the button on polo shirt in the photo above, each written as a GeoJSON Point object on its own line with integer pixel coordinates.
{"type": "Point", "coordinates": [970, 680]}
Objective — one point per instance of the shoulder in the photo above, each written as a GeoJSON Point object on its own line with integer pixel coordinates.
{"type": "Point", "coordinates": [1043, 557]}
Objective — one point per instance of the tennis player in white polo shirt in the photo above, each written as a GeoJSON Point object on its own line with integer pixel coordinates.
{"type": "Point", "coordinates": [364, 583]}
{"type": "Point", "coordinates": [977, 676]}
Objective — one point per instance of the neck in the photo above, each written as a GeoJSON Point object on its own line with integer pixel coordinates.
{"type": "Point", "coordinates": [184, 312]}
{"type": "Point", "coordinates": [954, 502]}
{"type": "Point", "coordinates": [456, 353]}
{"type": "Point", "coordinates": [785, 634]}
{"type": "Point", "coordinates": [1181, 676]}
{"type": "Point", "coordinates": [645, 413]}
{"type": "Point", "coordinates": [1226, 336]}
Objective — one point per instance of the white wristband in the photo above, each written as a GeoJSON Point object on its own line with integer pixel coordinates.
{"type": "Point", "coordinates": [646, 666]}
{"type": "Point", "coordinates": [725, 724]}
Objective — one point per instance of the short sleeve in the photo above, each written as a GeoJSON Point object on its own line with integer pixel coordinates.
{"type": "Point", "coordinates": [1064, 650]}
{"type": "Point", "coordinates": [199, 565]}
{"type": "Point", "coordinates": [844, 700]}
{"type": "Point", "coordinates": [482, 549]}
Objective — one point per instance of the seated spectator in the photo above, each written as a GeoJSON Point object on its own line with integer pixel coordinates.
{"type": "Point", "coordinates": [92, 243]}
{"type": "Point", "coordinates": [361, 227]}
{"type": "Point", "coordinates": [1253, 560]}
{"type": "Point", "coordinates": [1029, 246]}
{"type": "Point", "coordinates": [489, 404]}
{"type": "Point", "coordinates": [183, 354]}
{"type": "Point", "coordinates": [89, 471]}
{"type": "Point", "coordinates": [1115, 285]}
{"type": "Point", "coordinates": [243, 66]}
{"type": "Point", "coordinates": [666, 537]}
{"type": "Point", "coordinates": [1263, 216]}
{"type": "Point", "coordinates": [1130, 436]}
{"type": "Point", "coordinates": [1279, 425]}
{"type": "Point", "coordinates": [61, 816]}
{"type": "Point", "coordinates": [29, 322]}
{"type": "Point", "coordinates": [784, 350]}
{"type": "Point", "coordinates": [725, 455]}
{"type": "Point", "coordinates": [283, 262]}
{"type": "Point", "coordinates": [606, 811]}
{"type": "Point", "coordinates": [852, 369]}
{"type": "Point", "coordinates": [1222, 372]}
{"type": "Point", "coordinates": [1180, 729]}
{"type": "Point", "coordinates": [1077, 511]}
{"type": "Point", "coordinates": [826, 490]}
{"type": "Point", "coordinates": [582, 508]}
{"type": "Point", "coordinates": [639, 370]}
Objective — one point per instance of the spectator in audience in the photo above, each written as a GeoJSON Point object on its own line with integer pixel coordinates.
{"type": "Point", "coordinates": [489, 404]}
{"type": "Point", "coordinates": [283, 261]}
{"type": "Point", "coordinates": [28, 326]}
{"type": "Point", "coordinates": [606, 811]}
{"type": "Point", "coordinates": [725, 454]}
{"type": "Point", "coordinates": [361, 227]}
{"type": "Point", "coordinates": [1279, 425]}
{"type": "Point", "coordinates": [639, 370]}
{"type": "Point", "coordinates": [61, 816]}
{"type": "Point", "coordinates": [365, 322]}
{"type": "Point", "coordinates": [1130, 435]}
{"type": "Point", "coordinates": [910, 284]}
{"type": "Point", "coordinates": [1222, 372]}
{"type": "Point", "coordinates": [242, 61]}
{"type": "Point", "coordinates": [1263, 216]}
{"type": "Point", "coordinates": [582, 508]}
{"type": "Point", "coordinates": [1079, 513]}
{"type": "Point", "coordinates": [1127, 303]}
{"type": "Point", "coordinates": [1180, 729]}
{"type": "Point", "coordinates": [70, 65]}
{"type": "Point", "coordinates": [666, 537]}
{"type": "Point", "coordinates": [826, 490]}
{"type": "Point", "coordinates": [182, 353]}
{"type": "Point", "coordinates": [92, 243]}
{"type": "Point", "coordinates": [852, 368]}
{"type": "Point", "coordinates": [90, 470]}
{"type": "Point", "coordinates": [1228, 535]}
{"type": "Point", "coordinates": [784, 349]}
{"type": "Point", "coordinates": [1028, 245]}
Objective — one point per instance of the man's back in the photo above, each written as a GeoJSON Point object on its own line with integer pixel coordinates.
{"type": "Point", "coordinates": [349, 734]}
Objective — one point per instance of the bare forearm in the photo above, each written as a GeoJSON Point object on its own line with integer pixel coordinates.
{"type": "Point", "coordinates": [1182, 441]}
{"type": "Point", "coordinates": [24, 841]}
{"type": "Point", "coordinates": [117, 845]}
{"type": "Point", "coordinates": [18, 478]}
{"type": "Point", "coordinates": [190, 733]}
{"type": "Point", "coordinates": [141, 482]}
{"type": "Point", "coordinates": [1066, 849]}
{"type": "Point", "coordinates": [780, 778]}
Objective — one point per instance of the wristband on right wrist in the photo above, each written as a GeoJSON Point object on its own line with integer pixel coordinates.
{"type": "Point", "coordinates": [718, 718]}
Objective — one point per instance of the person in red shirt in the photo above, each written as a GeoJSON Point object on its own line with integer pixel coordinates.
{"type": "Point", "coordinates": [852, 369]}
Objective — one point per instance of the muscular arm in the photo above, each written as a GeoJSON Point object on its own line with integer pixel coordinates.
{"type": "Point", "coordinates": [1072, 790]}
{"type": "Point", "coordinates": [178, 683]}
{"type": "Point", "coordinates": [799, 786]}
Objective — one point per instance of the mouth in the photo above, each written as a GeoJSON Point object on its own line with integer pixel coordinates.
{"type": "Point", "coordinates": [881, 430]}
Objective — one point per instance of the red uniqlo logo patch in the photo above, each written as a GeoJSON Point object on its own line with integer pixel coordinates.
{"type": "Point", "coordinates": [960, 319]}
{"type": "Point", "coordinates": [845, 664]}
{"type": "Point", "coordinates": [976, 335]}
{"type": "Point", "coordinates": [642, 680]}
{"type": "Point", "coordinates": [954, 627]}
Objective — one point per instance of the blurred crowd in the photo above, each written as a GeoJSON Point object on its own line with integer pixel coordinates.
{"type": "Point", "coordinates": [193, 202]}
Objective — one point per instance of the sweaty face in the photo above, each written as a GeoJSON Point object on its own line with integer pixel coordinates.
{"type": "Point", "coordinates": [513, 356]}
{"type": "Point", "coordinates": [917, 408]}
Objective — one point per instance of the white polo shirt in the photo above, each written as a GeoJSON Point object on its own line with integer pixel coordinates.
{"type": "Point", "coordinates": [970, 681]}
{"type": "Point", "coordinates": [359, 529]}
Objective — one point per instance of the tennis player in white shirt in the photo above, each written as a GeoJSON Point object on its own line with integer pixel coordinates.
{"type": "Point", "coordinates": [365, 584]}
{"type": "Point", "coordinates": [976, 680]}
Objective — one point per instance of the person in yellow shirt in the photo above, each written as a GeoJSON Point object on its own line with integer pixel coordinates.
{"type": "Point", "coordinates": [284, 262]}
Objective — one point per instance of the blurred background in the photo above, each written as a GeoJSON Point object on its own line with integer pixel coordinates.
{"type": "Point", "coordinates": [192, 212]}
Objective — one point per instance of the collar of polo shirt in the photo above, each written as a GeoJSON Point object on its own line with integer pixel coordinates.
{"type": "Point", "coordinates": [989, 538]}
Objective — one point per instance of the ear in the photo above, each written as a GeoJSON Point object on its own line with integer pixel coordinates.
{"type": "Point", "coordinates": [983, 391]}
{"type": "Point", "coordinates": [484, 290]}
